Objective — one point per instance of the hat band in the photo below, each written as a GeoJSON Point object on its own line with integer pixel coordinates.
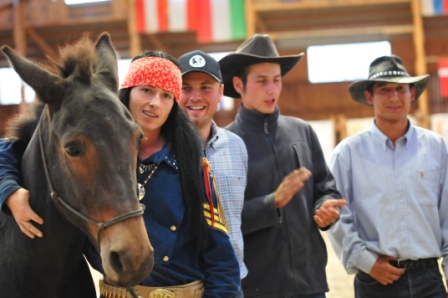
{"type": "Point", "coordinates": [389, 73]}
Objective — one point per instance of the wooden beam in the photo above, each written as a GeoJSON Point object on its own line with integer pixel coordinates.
{"type": "Point", "coordinates": [251, 17]}
{"type": "Point", "coordinates": [341, 127]}
{"type": "Point", "coordinates": [360, 31]}
{"type": "Point", "coordinates": [6, 5]}
{"type": "Point", "coordinates": [420, 62]}
{"type": "Point", "coordinates": [97, 21]}
{"type": "Point", "coordinates": [261, 26]}
{"type": "Point", "coordinates": [313, 4]}
{"type": "Point", "coordinates": [19, 30]}
{"type": "Point", "coordinates": [41, 43]}
{"type": "Point", "coordinates": [20, 41]}
{"type": "Point", "coordinates": [135, 45]}
{"type": "Point", "coordinates": [158, 44]}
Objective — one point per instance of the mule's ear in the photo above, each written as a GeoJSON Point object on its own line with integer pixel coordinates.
{"type": "Point", "coordinates": [44, 83]}
{"type": "Point", "coordinates": [106, 65]}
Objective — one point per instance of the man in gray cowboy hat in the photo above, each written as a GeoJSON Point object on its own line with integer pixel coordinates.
{"type": "Point", "coordinates": [393, 176]}
{"type": "Point", "coordinates": [290, 192]}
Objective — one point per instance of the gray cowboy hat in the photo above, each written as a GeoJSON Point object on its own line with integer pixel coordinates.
{"type": "Point", "coordinates": [257, 49]}
{"type": "Point", "coordinates": [388, 69]}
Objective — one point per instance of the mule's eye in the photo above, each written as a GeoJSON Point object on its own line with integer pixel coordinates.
{"type": "Point", "coordinates": [74, 149]}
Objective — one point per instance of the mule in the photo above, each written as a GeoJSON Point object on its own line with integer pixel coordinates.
{"type": "Point", "coordinates": [79, 166]}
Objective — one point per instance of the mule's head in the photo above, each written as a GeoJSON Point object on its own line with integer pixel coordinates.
{"type": "Point", "coordinates": [90, 146]}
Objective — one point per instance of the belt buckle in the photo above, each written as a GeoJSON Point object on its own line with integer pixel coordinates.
{"type": "Point", "coordinates": [161, 293]}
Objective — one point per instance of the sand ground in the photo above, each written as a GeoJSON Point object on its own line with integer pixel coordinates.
{"type": "Point", "coordinates": [341, 284]}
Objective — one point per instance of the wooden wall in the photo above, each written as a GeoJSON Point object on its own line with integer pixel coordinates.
{"type": "Point", "coordinates": [308, 101]}
{"type": "Point", "coordinates": [45, 12]}
{"type": "Point", "coordinates": [52, 22]}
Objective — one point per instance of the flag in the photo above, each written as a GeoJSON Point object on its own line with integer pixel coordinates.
{"type": "Point", "coordinates": [443, 76]}
{"type": "Point", "coordinates": [213, 20]}
{"type": "Point", "coordinates": [434, 7]}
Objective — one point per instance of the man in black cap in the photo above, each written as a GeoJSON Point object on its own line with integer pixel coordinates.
{"type": "Point", "coordinates": [394, 178]}
{"type": "Point", "coordinates": [202, 90]}
{"type": "Point", "coordinates": [290, 192]}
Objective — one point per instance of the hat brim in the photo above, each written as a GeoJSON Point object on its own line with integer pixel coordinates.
{"type": "Point", "coordinates": [357, 88]}
{"type": "Point", "coordinates": [233, 63]}
{"type": "Point", "coordinates": [206, 72]}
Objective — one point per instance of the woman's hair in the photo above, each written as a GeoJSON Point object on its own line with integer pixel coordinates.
{"type": "Point", "coordinates": [186, 145]}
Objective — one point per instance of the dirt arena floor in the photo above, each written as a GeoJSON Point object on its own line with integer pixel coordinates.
{"type": "Point", "coordinates": [341, 284]}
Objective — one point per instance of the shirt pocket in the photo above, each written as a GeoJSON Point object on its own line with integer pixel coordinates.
{"type": "Point", "coordinates": [232, 195]}
{"type": "Point", "coordinates": [427, 186]}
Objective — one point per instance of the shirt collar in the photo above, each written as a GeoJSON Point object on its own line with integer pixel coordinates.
{"type": "Point", "coordinates": [385, 141]}
{"type": "Point", "coordinates": [255, 119]}
{"type": "Point", "coordinates": [165, 155]}
{"type": "Point", "coordinates": [409, 135]}
{"type": "Point", "coordinates": [213, 134]}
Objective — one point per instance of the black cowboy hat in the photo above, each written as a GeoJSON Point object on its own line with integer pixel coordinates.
{"type": "Point", "coordinates": [257, 49]}
{"type": "Point", "coordinates": [388, 69]}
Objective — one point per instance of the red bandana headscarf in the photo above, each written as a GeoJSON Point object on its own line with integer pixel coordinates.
{"type": "Point", "coordinates": [154, 71]}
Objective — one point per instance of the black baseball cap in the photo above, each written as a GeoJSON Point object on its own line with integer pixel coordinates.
{"type": "Point", "coordinates": [200, 61]}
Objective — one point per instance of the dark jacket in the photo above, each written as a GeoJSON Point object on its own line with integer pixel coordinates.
{"type": "Point", "coordinates": [284, 251]}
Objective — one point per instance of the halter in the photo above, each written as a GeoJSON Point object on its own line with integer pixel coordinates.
{"type": "Point", "coordinates": [54, 196]}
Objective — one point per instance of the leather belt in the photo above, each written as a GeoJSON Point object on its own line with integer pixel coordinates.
{"type": "Point", "coordinates": [191, 290]}
{"type": "Point", "coordinates": [414, 264]}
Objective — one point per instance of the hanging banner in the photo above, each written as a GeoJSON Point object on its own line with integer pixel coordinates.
{"type": "Point", "coordinates": [443, 76]}
{"type": "Point", "coordinates": [434, 7]}
{"type": "Point", "coordinates": [213, 20]}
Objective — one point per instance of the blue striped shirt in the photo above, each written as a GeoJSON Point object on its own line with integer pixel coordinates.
{"type": "Point", "coordinates": [227, 156]}
{"type": "Point", "coordinates": [397, 198]}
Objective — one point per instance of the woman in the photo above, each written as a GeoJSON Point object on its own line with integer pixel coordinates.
{"type": "Point", "coordinates": [191, 246]}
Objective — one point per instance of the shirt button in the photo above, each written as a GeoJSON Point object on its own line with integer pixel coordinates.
{"type": "Point", "coordinates": [166, 258]}
{"type": "Point", "coordinates": [173, 228]}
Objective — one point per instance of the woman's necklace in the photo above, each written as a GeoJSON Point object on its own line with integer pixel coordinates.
{"type": "Point", "coordinates": [141, 187]}
{"type": "Point", "coordinates": [143, 168]}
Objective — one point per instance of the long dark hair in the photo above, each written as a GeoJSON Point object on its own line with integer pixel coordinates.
{"type": "Point", "coordinates": [185, 142]}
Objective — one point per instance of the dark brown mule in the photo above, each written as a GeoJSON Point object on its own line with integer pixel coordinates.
{"type": "Point", "coordinates": [80, 168]}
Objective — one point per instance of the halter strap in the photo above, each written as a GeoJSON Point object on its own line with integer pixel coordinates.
{"type": "Point", "coordinates": [55, 197]}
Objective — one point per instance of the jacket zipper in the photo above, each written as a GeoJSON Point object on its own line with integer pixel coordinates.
{"type": "Point", "coordinates": [274, 151]}
{"type": "Point", "coordinates": [283, 215]}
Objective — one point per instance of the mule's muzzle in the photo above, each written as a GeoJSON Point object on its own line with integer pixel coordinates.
{"type": "Point", "coordinates": [126, 252]}
{"type": "Point", "coordinates": [130, 272]}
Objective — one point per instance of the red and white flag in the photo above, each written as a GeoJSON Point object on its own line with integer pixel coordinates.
{"type": "Point", "coordinates": [443, 75]}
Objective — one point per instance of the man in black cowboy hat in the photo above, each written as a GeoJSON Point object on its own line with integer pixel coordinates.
{"type": "Point", "coordinates": [394, 178]}
{"type": "Point", "coordinates": [290, 192]}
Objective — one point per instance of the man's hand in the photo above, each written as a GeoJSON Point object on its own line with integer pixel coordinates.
{"type": "Point", "coordinates": [23, 214]}
{"type": "Point", "coordinates": [290, 185]}
{"type": "Point", "coordinates": [384, 272]}
{"type": "Point", "coordinates": [328, 212]}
